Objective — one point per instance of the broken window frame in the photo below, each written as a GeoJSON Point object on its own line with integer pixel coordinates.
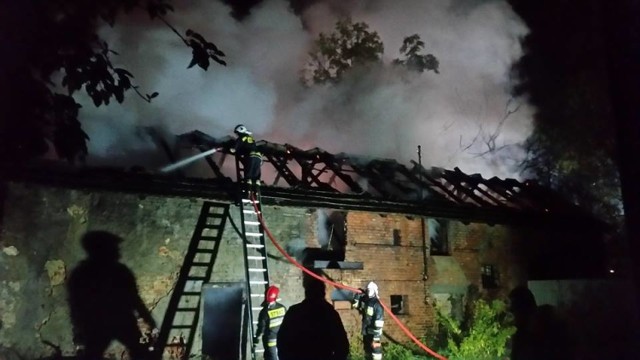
{"type": "Point", "coordinates": [398, 304]}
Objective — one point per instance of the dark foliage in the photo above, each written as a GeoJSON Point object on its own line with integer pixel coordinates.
{"type": "Point", "coordinates": [355, 45]}
{"type": "Point", "coordinates": [240, 9]}
{"type": "Point", "coordinates": [564, 75]}
{"type": "Point", "coordinates": [51, 50]}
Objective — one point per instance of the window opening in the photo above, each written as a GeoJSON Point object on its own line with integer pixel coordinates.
{"type": "Point", "coordinates": [489, 277]}
{"type": "Point", "coordinates": [439, 236]}
{"type": "Point", "coordinates": [398, 304]}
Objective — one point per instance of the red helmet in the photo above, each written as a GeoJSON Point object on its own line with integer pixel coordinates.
{"type": "Point", "coordinates": [272, 293]}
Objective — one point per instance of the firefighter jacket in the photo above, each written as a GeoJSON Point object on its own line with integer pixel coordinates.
{"type": "Point", "coordinates": [372, 315]}
{"type": "Point", "coordinates": [246, 146]}
{"type": "Point", "coordinates": [269, 321]}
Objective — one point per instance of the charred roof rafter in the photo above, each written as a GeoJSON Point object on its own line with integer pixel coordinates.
{"type": "Point", "coordinates": [389, 180]}
{"type": "Point", "coordinates": [394, 188]}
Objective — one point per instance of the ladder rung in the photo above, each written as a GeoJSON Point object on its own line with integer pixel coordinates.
{"type": "Point", "coordinates": [256, 308]}
{"type": "Point", "coordinates": [209, 238]}
{"type": "Point", "coordinates": [257, 270]}
{"type": "Point", "coordinates": [257, 295]}
{"type": "Point", "coordinates": [205, 251]}
{"type": "Point", "coordinates": [255, 323]}
{"type": "Point", "coordinates": [255, 246]}
{"type": "Point", "coordinates": [187, 309]}
{"type": "Point", "coordinates": [183, 327]}
{"type": "Point", "coordinates": [197, 278]}
{"type": "Point", "coordinates": [211, 226]}
{"type": "Point", "coordinates": [192, 293]}
{"type": "Point", "coordinates": [259, 350]}
{"type": "Point", "coordinates": [249, 212]}
{"type": "Point", "coordinates": [251, 257]}
{"type": "Point", "coordinates": [253, 234]}
{"type": "Point", "coordinates": [249, 200]}
{"type": "Point", "coordinates": [258, 282]}
{"type": "Point", "coordinates": [252, 222]}
{"type": "Point", "coordinates": [215, 215]}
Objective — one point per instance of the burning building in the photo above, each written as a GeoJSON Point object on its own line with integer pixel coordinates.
{"type": "Point", "coordinates": [426, 236]}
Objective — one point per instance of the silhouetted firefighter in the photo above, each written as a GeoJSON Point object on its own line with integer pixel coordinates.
{"type": "Point", "coordinates": [248, 153]}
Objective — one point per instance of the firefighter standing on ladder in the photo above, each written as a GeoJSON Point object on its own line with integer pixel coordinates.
{"type": "Point", "coordinates": [269, 321]}
{"type": "Point", "coordinates": [251, 158]}
{"type": "Point", "coordinates": [368, 304]}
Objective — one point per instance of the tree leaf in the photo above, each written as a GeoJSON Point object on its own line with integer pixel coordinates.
{"type": "Point", "coordinates": [119, 94]}
{"type": "Point", "coordinates": [97, 99]}
{"type": "Point", "coordinates": [123, 72]}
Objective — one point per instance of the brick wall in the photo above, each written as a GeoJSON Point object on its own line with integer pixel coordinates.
{"type": "Point", "coordinates": [397, 269]}
{"type": "Point", "coordinates": [42, 226]}
{"type": "Point", "coordinates": [475, 245]}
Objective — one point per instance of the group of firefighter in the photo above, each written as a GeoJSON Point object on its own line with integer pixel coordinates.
{"type": "Point", "coordinates": [274, 315]}
{"type": "Point", "coordinates": [281, 330]}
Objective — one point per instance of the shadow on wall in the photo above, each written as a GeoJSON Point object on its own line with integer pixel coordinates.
{"type": "Point", "coordinates": [104, 302]}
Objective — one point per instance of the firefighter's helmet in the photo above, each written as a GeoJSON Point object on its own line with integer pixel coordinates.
{"type": "Point", "coordinates": [372, 289]}
{"type": "Point", "coordinates": [241, 129]}
{"type": "Point", "coordinates": [272, 293]}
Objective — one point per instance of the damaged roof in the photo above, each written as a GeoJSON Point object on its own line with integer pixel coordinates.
{"type": "Point", "coordinates": [317, 178]}
{"type": "Point", "coordinates": [380, 183]}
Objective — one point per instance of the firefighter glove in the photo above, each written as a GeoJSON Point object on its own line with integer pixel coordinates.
{"type": "Point", "coordinates": [356, 300]}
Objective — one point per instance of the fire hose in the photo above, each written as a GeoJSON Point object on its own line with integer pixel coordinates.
{"type": "Point", "coordinates": [339, 285]}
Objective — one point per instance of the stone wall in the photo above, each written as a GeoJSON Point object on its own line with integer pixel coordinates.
{"type": "Point", "coordinates": [42, 227]}
{"type": "Point", "coordinates": [40, 239]}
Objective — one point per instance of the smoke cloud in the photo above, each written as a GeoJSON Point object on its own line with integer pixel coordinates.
{"type": "Point", "coordinates": [456, 116]}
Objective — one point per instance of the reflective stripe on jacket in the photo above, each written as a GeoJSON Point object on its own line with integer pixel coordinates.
{"type": "Point", "coordinates": [269, 321]}
{"type": "Point", "coordinates": [372, 316]}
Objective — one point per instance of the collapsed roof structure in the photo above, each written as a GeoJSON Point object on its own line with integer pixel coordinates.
{"type": "Point", "coordinates": [318, 178]}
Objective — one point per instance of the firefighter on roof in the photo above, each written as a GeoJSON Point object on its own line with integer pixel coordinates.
{"type": "Point", "coordinates": [368, 304]}
{"type": "Point", "coordinates": [269, 322]}
{"type": "Point", "coordinates": [249, 154]}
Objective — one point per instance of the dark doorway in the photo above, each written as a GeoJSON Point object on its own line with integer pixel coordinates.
{"type": "Point", "coordinates": [222, 335]}
{"type": "Point", "coordinates": [335, 225]}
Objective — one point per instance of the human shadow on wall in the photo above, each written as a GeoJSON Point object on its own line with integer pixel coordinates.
{"type": "Point", "coordinates": [541, 332]}
{"type": "Point", "coordinates": [104, 302]}
{"type": "Point", "coordinates": [312, 329]}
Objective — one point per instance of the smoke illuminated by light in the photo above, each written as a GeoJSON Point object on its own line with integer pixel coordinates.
{"type": "Point", "coordinates": [383, 113]}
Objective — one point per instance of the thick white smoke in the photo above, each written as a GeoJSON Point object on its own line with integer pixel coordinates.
{"type": "Point", "coordinates": [381, 113]}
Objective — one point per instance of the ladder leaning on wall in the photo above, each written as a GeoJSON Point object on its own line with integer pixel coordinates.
{"type": "Point", "coordinates": [179, 326]}
{"type": "Point", "coordinates": [255, 255]}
